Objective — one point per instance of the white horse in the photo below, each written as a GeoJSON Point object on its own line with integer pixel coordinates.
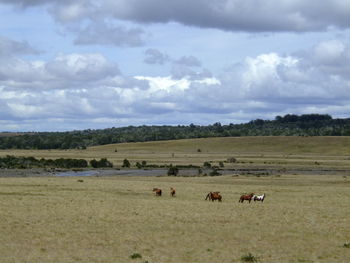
{"type": "Point", "coordinates": [259, 197]}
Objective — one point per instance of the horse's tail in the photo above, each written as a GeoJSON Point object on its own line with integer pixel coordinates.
{"type": "Point", "coordinates": [207, 197]}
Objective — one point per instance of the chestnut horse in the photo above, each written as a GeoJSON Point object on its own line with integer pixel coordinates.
{"type": "Point", "coordinates": [214, 196]}
{"type": "Point", "coordinates": [246, 197]}
{"type": "Point", "coordinates": [157, 191]}
{"type": "Point", "coordinates": [172, 191]}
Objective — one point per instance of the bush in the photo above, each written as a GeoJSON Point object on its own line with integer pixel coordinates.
{"type": "Point", "coordinates": [31, 162]}
{"type": "Point", "coordinates": [214, 172]}
{"type": "Point", "coordinates": [126, 163]}
{"type": "Point", "coordinates": [207, 165]}
{"type": "Point", "coordinates": [103, 163]}
{"type": "Point", "coordinates": [135, 256]}
{"type": "Point", "coordinates": [231, 160]}
{"type": "Point", "coordinates": [173, 170]}
{"type": "Point", "coordinates": [249, 258]}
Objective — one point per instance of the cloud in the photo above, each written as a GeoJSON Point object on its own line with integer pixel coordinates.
{"type": "Point", "coordinates": [154, 56]}
{"type": "Point", "coordinates": [9, 47]}
{"type": "Point", "coordinates": [76, 91]}
{"type": "Point", "coordinates": [189, 61]}
{"type": "Point", "coordinates": [312, 79]}
{"type": "Point", "coordinates": [228, 15]}
{"type": "Point", "coordinates": [103, 34]}
{"type": "Point", "coordinates": [236, 15]}
{"type": "Point", "coordinates": [85, 67]}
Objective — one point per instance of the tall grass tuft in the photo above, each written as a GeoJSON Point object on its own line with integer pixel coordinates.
{"type": "Point", "coordinates": [249, 258]}
{"type": "Point", "coordinates": [135, 256]}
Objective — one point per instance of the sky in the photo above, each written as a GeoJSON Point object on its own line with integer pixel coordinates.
{"type": "Point", "coordinates": [94, 64]}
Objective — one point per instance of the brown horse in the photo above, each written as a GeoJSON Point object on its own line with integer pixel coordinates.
{"type": "Point", "coordinates": [246, 197]}
{"type": "Point", "coordinates": [172, 191]}
{"type": "Point", "coordinates": [213, 196]}
{"type": "Point", "coordinates": [157, 191]}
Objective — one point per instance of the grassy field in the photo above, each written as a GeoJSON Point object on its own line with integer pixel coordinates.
{"type": "Point", "coordinates": [305, 218]}
{"type": "Point", "coordinates": [109, 219]}
{"type": "Point", "coordinates": [262, 152]}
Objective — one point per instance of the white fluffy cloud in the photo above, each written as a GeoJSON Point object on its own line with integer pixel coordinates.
{"type": "Point", "coordinates": [80, 89]}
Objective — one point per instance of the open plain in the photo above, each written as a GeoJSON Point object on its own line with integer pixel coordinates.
{"type": "Point", "coordinates": [304, 218]}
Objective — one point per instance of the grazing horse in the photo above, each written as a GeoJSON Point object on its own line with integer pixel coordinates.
{"type": "Point", "coordinates": [172, 191]}
{"type": "Point", "coordinates": [246, 197]}
{"type": "Point", "coordinates": [259, 197]}
{"type": "Point", "coordinates": [157, 191]}
{"type": "Point", "coordinates": [214, 196]}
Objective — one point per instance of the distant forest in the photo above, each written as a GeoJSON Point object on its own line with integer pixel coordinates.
{"type": "Point", "coordinates": [288, 125]}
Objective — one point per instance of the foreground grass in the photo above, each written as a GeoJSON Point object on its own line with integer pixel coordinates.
{"type": "Point", "coordinates": [112, 219]}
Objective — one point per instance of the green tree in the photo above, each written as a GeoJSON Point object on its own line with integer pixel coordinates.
{"type": "Point", "coordinates": [126, 163]}
{"type": "Point", "coordinates": [173, 170]}
{"type": "Point", "coordinates": [207, 165]}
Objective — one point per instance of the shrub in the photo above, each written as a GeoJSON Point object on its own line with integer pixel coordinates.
{"type": "Point", "coordinates": [126, 163]}
{"type": "Point", "coordinates": [103, 162]}
{"type": "Point", "coordinates": [207, 165]}
{"type": "Point", "coordinates": [173, 170]}
{"type": "Point", "coordinates": [249, 258]}
{"type": "Point", "coordinates": [135, 256]}
{"type": "Point", "coordinates": [231, 160]}
{"type": "Point", "coordinates": [347, 245]}
{"type": "Point", "coordinates": [214, 172]}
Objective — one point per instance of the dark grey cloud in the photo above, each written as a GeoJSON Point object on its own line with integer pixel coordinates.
{"type": "Point", "coordinates": [237, 15]}
{"type": "Point", "coordinates": [25, 3]}
{"type": "Point", "coordinates": [229, 15]}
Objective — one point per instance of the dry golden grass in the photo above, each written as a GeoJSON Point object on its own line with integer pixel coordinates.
{"type": "Point", "coordinates": [264, 152]}
{"type": "Point", "coordinates": [107, 219]}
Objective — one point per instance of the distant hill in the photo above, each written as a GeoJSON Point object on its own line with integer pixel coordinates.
{"type": "Point", "coordinates": [288, 125]}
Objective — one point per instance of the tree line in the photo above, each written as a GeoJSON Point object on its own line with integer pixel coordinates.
{"type": "Point", "coordinates": [11, 162]}
{"type": "Point", "coordinates": [288, 125]}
